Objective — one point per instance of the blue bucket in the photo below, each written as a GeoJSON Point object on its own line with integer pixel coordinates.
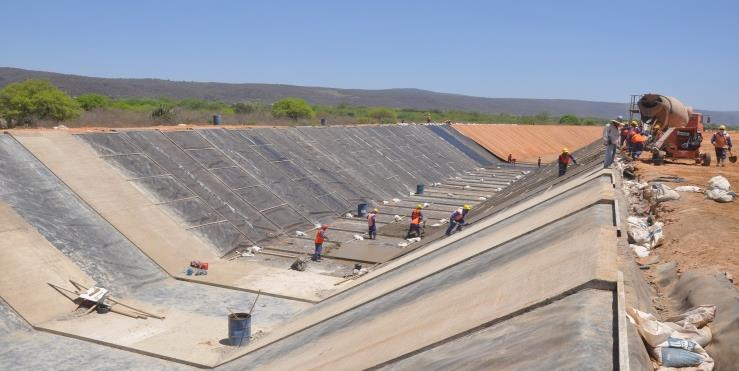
{"type": "Point", "coordinates": [216, 119]}
{"type": "Point", "coordinates": [420, 188]}
{"type": "Point", "coordinates": [239, 329]}
{"type": "Point", "coordinates": [362, 209]}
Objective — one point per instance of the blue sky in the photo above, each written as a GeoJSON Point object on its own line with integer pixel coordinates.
{"type": "Point", "coordinates": [593, 50]}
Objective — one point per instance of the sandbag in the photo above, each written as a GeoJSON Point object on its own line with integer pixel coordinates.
{"type": "Point", "coordinates": [694, 189]}
{"type": "Point", "coordinates": [663, 193]}
{"type": "Point", "coordinates": [719, 182]}
{"type": "Point", "coordinates": [720, 195]}
{"type": "Point", "coordinates": [640, 250]}
{"type": "Point", "coordinates": [640, 233]}
{"type": "Point", "coordinates": [675, 345]}
{"type": "Point", "coordinates": [719, 190]}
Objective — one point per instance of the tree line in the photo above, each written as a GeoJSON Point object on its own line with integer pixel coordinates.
{"type": "Point", "coordinates": [32, 101]}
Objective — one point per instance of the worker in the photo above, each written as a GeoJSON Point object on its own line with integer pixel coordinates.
{"type": "Point", "coordinates": [633, 130]}
{"type": "Point", "coordinates": [656, 132]}
{"type": "Point", "coordinates": [625, 132]}
{"type": "Point", "coordinates": [611, 136]}
{"type": "Point", "coordinates": [457, 219]}
{"type": "Point", "coordinates": [564, 160]}
{"type": "Point", "coordinates": [510, 158]}
{"type": "Point", "coordinates": [538, 162]}
{"type": "Point", "coordinates": [454, 220]}
{"type": "Point", "coordinates": [320, 237]}
{"type": "Point", "coordinates": [721, 142]}
{"type": "Point", "coordinates": [637, 144]}
{"type": "Point", "coordinates": [372, 223]}
{"type": "Point", "coordinates": [416, 220]}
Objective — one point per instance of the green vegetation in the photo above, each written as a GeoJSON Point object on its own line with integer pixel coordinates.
{"type": "Point", "coordinates": [358, 114]}
{"type": "Point", "coordinates": [292, 108]}
{"type": "Point", "coordinates": [151, 104]}
{"type": "Point", "coordinates": [383, 115]}
{"type": "Point", "coordinates": [32, 100]}
{"type": "Point", "coordinates": [246, 108]}
{"type": "Point", "coordinates": [92, 101]}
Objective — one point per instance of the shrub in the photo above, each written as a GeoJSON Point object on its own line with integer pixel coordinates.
{"type": "Point", "coordinates": [293, 108]}
{"type": "Point", "coordinates": [569, 119]}
{"type": "Point", "coordinates": [383, 115]}
{"type": "Point", "coordinates": [91, 101]}
{"type": "Point", "coordinates": [32, 100]}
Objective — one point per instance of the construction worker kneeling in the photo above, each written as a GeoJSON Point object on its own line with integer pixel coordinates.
{"type": "Point", "coordinates": [564, 160]}
{"type": "Point", "coordinates": [457, 219]}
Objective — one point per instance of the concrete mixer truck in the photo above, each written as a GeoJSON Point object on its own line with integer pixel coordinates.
{"type": "Point", "coordinates": [680, 131]}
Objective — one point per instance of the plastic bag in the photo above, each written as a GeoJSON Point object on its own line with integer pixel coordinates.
{"type": "Point", "coordinates": [664, 193]}
{"type": "Point", "coordinates": [694, 189]}
{"type": "Point", "coordinates": [719, 190]}
{"type": "Point", "coordinates": [698, 316]}
{"type": "Point", "coordinates": [719, 182]}
{"type": "Point", "coordinates": [640, 250]}
{"type": "Point", "coordinates": [673, 345]}
{"type": "Point", "coordinates": [720, 195]}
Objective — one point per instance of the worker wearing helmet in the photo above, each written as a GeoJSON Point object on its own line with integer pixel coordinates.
{"type": "Point", "coordinates": [457, 219]}
{"type": "Point", "coordinates": [611, 135]}
{"type": "Point", "coordinates": [320, 238]}
{"type": "Point", "coordinates": [721, 142]}
{"type": "Point", "coordinates": [564, 159]}
{"type": "Point", "coordinates": [656, 132]}
{"type": "Point", "coordinates": [372, 223]}
{"type": "Point", "coordinates": [638, 140]}
{"type": "Point", "coordinates": [416, 220]}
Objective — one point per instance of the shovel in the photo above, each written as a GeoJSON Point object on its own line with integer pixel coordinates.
{"type": "Point", "coordinates": [732, 158]}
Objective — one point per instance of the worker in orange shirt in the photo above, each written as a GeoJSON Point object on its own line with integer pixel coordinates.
{"type": "Point", "coordinates": [721, 142]}
{"type": "Point", "coordinates": [320, 238]}
{"type": "Point", "coordinates": [637, 144]}
{"type": "Point", "coordinates": [564, 159]}
{"type": "Point", "coordinates": [416, 220]}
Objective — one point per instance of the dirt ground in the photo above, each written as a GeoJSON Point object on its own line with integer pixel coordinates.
{"type": "Point", "coordinates": [700, 234]}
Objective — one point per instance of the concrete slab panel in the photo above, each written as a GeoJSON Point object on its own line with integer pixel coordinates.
{"type": "Point", "coordinates": [33, 263]}
{"type": "Point", "coordinates": [191, 212]}
{"type": "Point", "coordinates": [57, 213]}
{"type": "Point", "coordinates": [109, 143]}
{"type": "Point", "coordinates": [135, 166]}
{"type": "Point", "coordinates": [162, 189]}
{"type": "Point", "coordinates": [477, 239]}
{"type": "Point", "coordinates": [561, 340]}
{"type": "Point", "coordinates": [512, 276]}
{"type": "Point", "coordinates": [261, 197]}
{"type": "Point", "coordinates": [287, 218]}
{"type": "Point", "coordinates": [235, 177]}
{"type": "Point", "coordinates": [210, 158]}
{"type": "Point", "coordinates": [187, 139]}
{"type": "Point", "coordinates": [222, 236]}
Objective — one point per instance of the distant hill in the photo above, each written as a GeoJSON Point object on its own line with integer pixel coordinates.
{"type": "Point", "coordinates": [397, 98]}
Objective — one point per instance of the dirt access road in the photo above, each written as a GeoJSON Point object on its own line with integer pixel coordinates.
{"type": "Point", "coordinates": [700, 234]}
